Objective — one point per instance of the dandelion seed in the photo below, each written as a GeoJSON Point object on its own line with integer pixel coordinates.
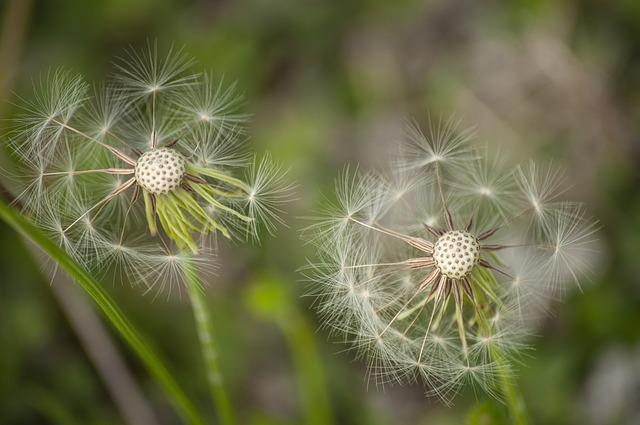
{"type": "Point", "coordinates": [135, 174]}
{"type": "Point", "coordinates": [453, 269]}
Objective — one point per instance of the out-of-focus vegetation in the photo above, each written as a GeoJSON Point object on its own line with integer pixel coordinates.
{"type": "Point", "coordinates": [331, 83]}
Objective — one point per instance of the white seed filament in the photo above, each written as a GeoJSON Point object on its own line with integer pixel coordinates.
{"type": "Point", "coordinates": [456, 253]}
{"type": "Point", "coordinates": [160, 170]}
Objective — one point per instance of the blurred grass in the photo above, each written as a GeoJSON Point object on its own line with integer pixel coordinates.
{"type": "Point", "coordinates": [332, 82]}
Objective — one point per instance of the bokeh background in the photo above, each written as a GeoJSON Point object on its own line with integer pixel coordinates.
{"type": "Point", "coordinates": [331, 83]}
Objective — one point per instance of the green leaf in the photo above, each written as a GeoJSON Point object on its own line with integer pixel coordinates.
{"type": "Point", "coordinates": [111, 312]}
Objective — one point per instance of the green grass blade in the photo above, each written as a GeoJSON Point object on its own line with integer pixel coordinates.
{"type": "Point", "coordinates": [111, 312]}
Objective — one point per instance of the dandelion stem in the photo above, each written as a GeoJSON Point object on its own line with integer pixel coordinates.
{"type": "Point", "coordinates": [508, 388]}
{"type": "Point", "coordinates": [512, 396]}
{"type": "Point", "coordinates": [207, 343]}
{"type": "Point", "coordinates": [111, 311]}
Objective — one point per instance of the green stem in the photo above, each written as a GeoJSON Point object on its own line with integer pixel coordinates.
{"type": "Point", "coordinates": [300, 338]}
{"type": "Point", "coordinates": [207, 343]}
{"type": "Point", "coordinates": [512, 395]}
{"type": "Point", "coordinates": [111, 311]}
{"type": "Point", "coordinates": [507, 386]}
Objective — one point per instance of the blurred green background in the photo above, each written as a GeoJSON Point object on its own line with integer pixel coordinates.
{"type": "Point", "coordinates": [332, 82]}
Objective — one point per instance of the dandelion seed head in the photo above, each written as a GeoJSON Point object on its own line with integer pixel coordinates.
{"type": "Point", "coordinates": [441, 284]}
{"type": "Point", "coordinates": [96, 166]}
{"type": "Point", "coordinates": [161, 170]}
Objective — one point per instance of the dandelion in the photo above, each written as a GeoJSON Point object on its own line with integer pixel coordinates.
{"type": "Point", "coordinates": [143, 170]}
{"type": "Point", "coordinates": [435, 272]}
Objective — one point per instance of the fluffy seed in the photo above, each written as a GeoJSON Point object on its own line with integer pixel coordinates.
{"type": "Point", "coordinates": [456, 253]}
{"type": "Point", "coordinates": [161, 170]}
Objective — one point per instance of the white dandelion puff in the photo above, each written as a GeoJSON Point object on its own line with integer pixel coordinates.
{"type": "Point", "coordinates": [434, 273]}
{"type": "Point", "coordinates": [135, 175]}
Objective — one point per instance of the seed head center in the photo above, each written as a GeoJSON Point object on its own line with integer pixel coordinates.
{"type": "Point", "coordinates": [160, 170]}
{"type": "Point", "coordinates": [456, 253]}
